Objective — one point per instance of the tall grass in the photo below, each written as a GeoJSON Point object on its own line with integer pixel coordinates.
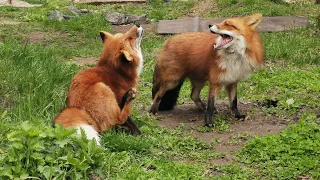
{"type": "Point", "coordinates": [34, 81]}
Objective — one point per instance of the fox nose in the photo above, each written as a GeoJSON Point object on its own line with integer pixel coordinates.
{"type": "Point", "coordinates": [210, 25]}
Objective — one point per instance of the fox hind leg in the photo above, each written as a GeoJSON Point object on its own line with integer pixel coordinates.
{"type": "Point", "coordinates": [195, 94]}
{"type": "Point", "coordinates": [158, 96]}
{"type": "Point", "coordinates": [132, 126]}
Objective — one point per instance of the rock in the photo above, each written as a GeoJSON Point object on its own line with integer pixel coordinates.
{"type": "Point", "coordinates": [56, 15]}
{"type": "Point", "coordinates": [84, 11]}
{"type": "Point", "coordinates": [67, 17]}
{"type": "Point", "coordinates": [115, 18]}
{"type": "Point", "coordinates": [131, 18]}
{"type": "Point", "coordinates": [73, 9]}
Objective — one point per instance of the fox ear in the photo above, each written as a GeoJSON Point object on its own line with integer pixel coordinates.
{"type": "Point", "coordinates": [126, 55]}
{"type": "Point", "coordinates": [254, 20]}
{"type": "Point", "coordinates": [104, 35]}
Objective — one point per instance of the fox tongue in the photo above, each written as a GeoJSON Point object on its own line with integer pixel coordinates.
{"type": "Point", "coordinates": [222, 43]}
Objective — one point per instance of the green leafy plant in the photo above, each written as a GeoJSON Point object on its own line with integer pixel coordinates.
{"type": "Point", "coordinates": [39, 151]}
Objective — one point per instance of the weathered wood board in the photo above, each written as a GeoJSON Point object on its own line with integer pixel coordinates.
{"type": "Point", "coordinates": [278, 23]}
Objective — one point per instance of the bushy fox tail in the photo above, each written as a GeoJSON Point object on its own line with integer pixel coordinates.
{"type": "Point", "coordinates": [169, 99]}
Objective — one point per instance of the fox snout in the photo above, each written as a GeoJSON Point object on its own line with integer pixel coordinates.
{"type": "Point", "coordinates": [213, 28]}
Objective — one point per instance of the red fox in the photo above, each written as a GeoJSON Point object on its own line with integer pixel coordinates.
{"type": "Point", "coordinates": [222, 57]}
{"type": "Point", "coordinates": [100, 97]}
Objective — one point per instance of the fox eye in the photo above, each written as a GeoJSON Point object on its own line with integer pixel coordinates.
{"type": "Point", "coordinates": [231, 26]}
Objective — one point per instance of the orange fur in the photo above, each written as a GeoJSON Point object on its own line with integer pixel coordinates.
{"type": "Point", "coordinates": [95, 94]}
{"type": "Point", "coordinates": [205, 57]}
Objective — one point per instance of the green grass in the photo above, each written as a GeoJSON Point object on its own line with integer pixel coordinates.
{"type": "Point", "coordinates": [294, 152]}
{"type": "Point", "coordinates": [35, 75]}
{"type": "Point", "coordinates": [265, 7]}
{"type": "Point", "coordinates": [33, 81]}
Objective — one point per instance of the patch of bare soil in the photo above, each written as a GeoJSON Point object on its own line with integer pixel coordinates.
{"type": "Point", "coordinates": [124, 28]}
{"type": "Point", "coordinates": [8, 22]}
{"type": "Point", "coordinates": [36, 37]}
{"type": "Point", "coordinates": [201, 8]}
{"type": "Point", "coordinates": [86, 61]}
{"type": "Point", "coordinates": [257, 123]}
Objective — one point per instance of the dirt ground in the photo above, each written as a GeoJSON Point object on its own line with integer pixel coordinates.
{"type": "Point", "coordinates": [82, 61]}
{"type": "Point", "coordinates": [201, 8]}
{"type": "Point", "coordinates": [124, 28]}
{"type": "Point", "coordinates": [257, 123]}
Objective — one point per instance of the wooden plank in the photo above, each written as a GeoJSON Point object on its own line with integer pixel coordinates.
{"type": "Point", "coordinates": [174, 26]}
{"type": "Point", "coordinates": [195, 24]}
{"type": "Point", "coordinates": [269, 24]}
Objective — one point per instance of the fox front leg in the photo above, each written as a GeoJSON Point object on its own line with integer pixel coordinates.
{"type": "Point", "coordinates": [233, 100]}
{"type": "Point", "coordinates": [211, 109]}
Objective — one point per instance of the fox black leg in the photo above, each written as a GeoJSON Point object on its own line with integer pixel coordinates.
{"type": "Point", "coordinates": [132, 126]}
{"type": "Point", "coordinates": [124, 100]}
{"type": "Point", "coordinates": [233, 100]}
{"type": "Point", "coordinates": [234, 109]}
{"type": "Point", "coordinates": [211, 109]}
{"type": "Point", "coordinates": [209, 112]}
{"type": "Point", "coordinates": [155, 106]}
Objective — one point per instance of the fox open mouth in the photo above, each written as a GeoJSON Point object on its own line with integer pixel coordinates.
{"type": "Point", "coordinates": [225, 40]}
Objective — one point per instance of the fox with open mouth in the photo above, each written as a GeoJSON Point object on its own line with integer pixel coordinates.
{"type": "Point", "coordinates": [222, 57]}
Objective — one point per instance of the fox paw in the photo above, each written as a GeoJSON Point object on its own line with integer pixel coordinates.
{"type": "Point", "coordinates": [240, 116]}
{"type": "Point", "coordinates": [154, 109]}
{"type": "Point", "coordinates": [131, 94]}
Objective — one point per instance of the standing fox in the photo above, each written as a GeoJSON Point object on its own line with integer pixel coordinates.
{"type": "Point", "coordinates": [100, 97]}
{"type": "Point", "coordinates": [223, 57]}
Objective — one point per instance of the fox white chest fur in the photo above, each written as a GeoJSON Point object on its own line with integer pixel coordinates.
{"type": "Point", "coordinates": [138, 48]}
{"type": "Point", "coordinates": [236, 63]}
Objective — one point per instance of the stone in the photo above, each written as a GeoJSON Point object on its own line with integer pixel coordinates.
{"type": "Point", "coordinates": [84, 11]}
{"type": "Point", "coordinates": [115, 18]}
{"type": "Point", "coordinates": [131, 18]}
{"type": "Point", "coordinates": [56, 15]}
{"type": "Point", "coordinates": [67, 17]}
{"type": "Point", "coordinates": [73, 9]}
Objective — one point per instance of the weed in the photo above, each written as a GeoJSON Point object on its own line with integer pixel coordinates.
{"type": "Point", "coordinates": [294, 152]}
